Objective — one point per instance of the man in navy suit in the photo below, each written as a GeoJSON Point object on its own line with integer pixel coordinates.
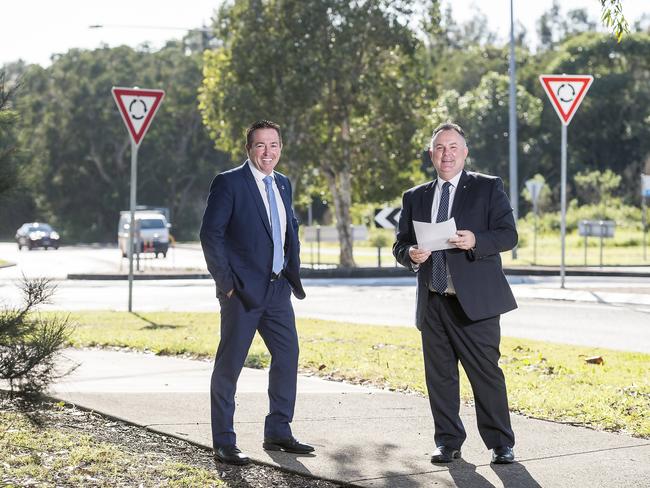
{"type": "Point", "coordinates": [461, 293]}
{"type": "Point", "coordinates": [250, 241]}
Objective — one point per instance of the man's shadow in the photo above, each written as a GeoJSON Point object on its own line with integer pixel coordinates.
{"type": "Point", "coordinates": [288, 461]}
{"type": "Point", "coordinates": [513, 475]}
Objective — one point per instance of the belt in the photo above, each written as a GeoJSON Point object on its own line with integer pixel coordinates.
{"type": "Point", "coordinates": [443, 294]}
{"type": "Point", "coordinates": [276, 276]}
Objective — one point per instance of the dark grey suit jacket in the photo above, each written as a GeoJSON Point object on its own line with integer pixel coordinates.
{"type": "Point", "coordinates": [480, 205]}
{"type": "Point", "coordinates": [237, 240]}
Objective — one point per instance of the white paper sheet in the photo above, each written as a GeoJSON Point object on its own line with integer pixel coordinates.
{"type": "Point", "coordinates": [435, 236]}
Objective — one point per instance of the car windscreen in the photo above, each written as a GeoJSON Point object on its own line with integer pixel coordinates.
{"type": "Point", "coordinates": [151, 224]}
{"type": "Point", "coordinates": [42, 228]}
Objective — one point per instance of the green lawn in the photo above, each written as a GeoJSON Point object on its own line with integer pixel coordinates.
{"type": "Point", "coordinates": [545, 380]}
{"type": "Point", "coordinates": [626, 248]}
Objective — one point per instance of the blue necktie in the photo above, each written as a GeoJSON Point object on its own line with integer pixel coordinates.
{"type": "Point", "coordinates": [438, 258]}
{"type": "Point", "coordinates": [278, 254]}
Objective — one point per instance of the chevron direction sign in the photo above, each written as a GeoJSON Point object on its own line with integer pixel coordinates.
{"type": "Point", "coordinates": [387, 218]}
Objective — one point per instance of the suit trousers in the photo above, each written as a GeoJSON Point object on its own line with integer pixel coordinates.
{"type": "Point", "coordinates": [449, 336]}
{"type": "Point", "coordinates": [275, 322]}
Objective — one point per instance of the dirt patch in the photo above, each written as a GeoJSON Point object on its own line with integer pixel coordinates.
{"type": "Point", "coordinates": [147, 447]}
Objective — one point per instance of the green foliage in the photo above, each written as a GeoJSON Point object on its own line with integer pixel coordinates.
{"type": "Point", "coordinates": [338, 76]}
{"type": "Point", "coordinates": [8, 119]}
{"type": "Point", "coordinates": [612, 16]}
{"type": "Point", "coordinates": [30, 343]}
{"type": "Point", "coordinates": [596, 186]}
{"type": "Point", "coordinates": [79, 167]}
{"type": "Point", "coordinates": [625, 216]}
{"type": "Point", "coordinates": [483, 114]}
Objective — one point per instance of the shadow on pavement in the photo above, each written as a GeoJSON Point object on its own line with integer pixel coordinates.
{"type": "Point", "coordinates": [514, 476]}
{"type": "Point", "coordinates": [465, 476]}
{"type": "Point", "coordinates": [153, 325]}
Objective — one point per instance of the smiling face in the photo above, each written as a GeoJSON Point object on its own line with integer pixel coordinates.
{"type": "Point", "coordinates": [448, 152]}
{"type": "Point", "coordinates": [265, 149]}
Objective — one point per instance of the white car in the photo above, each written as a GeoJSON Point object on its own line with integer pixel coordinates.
{"type": "Point", "coordinates": [151, 233]}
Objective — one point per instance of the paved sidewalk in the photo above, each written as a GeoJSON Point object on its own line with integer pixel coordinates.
{"type": "Point", "coordinates": [363, 436]}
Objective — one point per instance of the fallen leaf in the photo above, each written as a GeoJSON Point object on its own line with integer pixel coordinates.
{"type": "Point", "coordinates": [595, 360]}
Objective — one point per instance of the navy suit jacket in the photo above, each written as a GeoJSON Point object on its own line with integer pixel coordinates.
{"type": "Point", "coordinates": [480, 205]}
{"type": "Point", "coordinates": [237, 240]}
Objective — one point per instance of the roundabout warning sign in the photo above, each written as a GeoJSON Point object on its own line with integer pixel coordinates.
{"type": "Point", "coordinates": [566, 93]}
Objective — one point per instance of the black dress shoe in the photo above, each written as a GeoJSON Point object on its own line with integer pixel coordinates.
{"type": "Point", "coordinates": [288, 444]}
{"type": "Point", "coordinates": [503, 455]}
{"type": "Point", "coordinates": [231, 455]}
{"type": "Point", "coordinates": [444, 454]}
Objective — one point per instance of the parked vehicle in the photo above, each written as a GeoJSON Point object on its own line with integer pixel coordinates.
{"type": "Point", "coordinates": [151, 233]}
{"type": "Point", "coordinates": [37, 234]}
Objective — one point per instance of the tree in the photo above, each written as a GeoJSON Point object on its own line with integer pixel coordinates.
{"type": "Point", "coordinates": [8, 119]}
{"type": "Point", "coordinates": [593, 187]}
{"type": "Point", "coordinates": [337, 75]}
{"type": "Point", "coordinates": [612, 17]}
{"type": "Point", "coordinates": [483, 113]}
{"type": "Point", "coordinates": [79, 166]}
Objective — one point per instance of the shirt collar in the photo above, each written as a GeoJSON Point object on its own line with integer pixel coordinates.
{"type": "Point", "coordinates": [257, 174]}
{"type": "Point", "coordinates": [454, 181]}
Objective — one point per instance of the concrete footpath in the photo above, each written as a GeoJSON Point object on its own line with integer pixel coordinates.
{"type": "Point", "coordinates": [363, 436]}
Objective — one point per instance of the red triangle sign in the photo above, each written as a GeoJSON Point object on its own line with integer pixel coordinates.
{"type": "Point", "coordinates": [566, 93]}
{"type": "Point", "coordinates": [137, 107]}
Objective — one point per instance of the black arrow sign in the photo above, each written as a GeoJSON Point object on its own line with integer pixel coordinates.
{"type": "Point", "coordinates": [387, 218]}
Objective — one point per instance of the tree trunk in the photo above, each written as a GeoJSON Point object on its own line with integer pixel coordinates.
{"type": "Point", "coordinates": [341, 189]}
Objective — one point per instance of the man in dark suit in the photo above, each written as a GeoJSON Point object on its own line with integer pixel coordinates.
{"type": "Point", "coordinates": [461, 293]}
{"type": "Point", "coordinates": [250, 241]}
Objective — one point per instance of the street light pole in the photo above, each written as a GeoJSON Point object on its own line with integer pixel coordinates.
{"type": "Point", "coordinates": [512, 133]}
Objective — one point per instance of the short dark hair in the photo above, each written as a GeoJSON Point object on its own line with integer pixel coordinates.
{"type": "Point", "coordinates": [261, 124]}
{"type": "Point", "coordinates": [447, 126]}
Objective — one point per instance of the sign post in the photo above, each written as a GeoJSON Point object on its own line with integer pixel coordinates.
{"type": "Point", "coordinates": [137, 108]}
{"type": "Point", "coordinates": [534, 188]}
{"type": "Point", "coordinates": [645, 193]}
{"type": "Point", "coordinates": [566, 92]}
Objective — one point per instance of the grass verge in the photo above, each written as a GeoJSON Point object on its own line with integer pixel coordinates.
{"type": "Point", "coordinates": [545, 380]}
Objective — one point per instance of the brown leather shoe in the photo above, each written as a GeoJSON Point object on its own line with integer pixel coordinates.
{"type": "Point", "coordinates": [289, 444]}
{"type": "Point", "coordinates": [444, 454]}
{"type": "Point", "coordinates": [503, 455]}
{"type": "Point", "coordinates": [231, 455]}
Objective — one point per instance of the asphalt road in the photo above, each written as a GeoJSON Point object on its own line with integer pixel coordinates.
{"type": "Point", "coordinates": [377, 302]}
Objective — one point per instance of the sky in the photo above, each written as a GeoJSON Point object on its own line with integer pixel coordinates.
{"type": "Point", "coordinates": [33, 30]}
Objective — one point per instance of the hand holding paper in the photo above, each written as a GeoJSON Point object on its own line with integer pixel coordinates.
{"type": "Point", "coordinates": [435, 236]}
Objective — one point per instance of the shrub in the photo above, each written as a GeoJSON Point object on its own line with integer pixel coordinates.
{"type": "Point", "coordinates": [30, 343]}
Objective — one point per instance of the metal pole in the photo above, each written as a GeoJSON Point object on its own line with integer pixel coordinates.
{"type": "Point", "coordinates": [514, 196]}
{"type": "Point", "coordinates": [318, 245]}
{"type": "Point", "coordinates": [134, 179]}
{"type": "Point", "coordinates": [563, 204]}
{"type": "Point", "coordinates": [644, 216]}
{"type": "Point", "coordinates": [535, 238]}
{"type": "Point", "coordinates": [601, 246]}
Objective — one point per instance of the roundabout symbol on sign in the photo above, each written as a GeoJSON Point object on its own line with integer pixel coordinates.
{"type": "Point", "coordinates": [566, 93]}
{"type": "Point", "coordinates": [135, 113]}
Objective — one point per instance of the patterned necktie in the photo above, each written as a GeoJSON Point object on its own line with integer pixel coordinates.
{"type": "Point", "coordinates": [278, 258]}
{"type": "Point", "coordinates": [438, 258]}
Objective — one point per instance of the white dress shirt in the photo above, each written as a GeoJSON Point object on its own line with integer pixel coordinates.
{"type": "Point", "coordinates": [259, 179]}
